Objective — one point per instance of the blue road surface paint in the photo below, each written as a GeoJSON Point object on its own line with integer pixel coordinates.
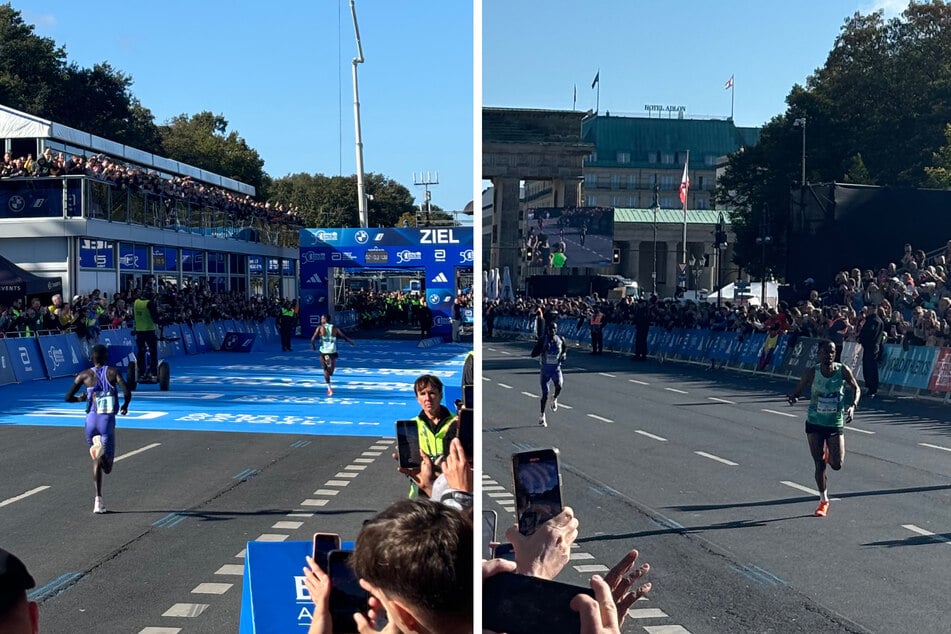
{"type": "Point", "coordinates": [245, 475]}
{"type": "Point", "coordinates": [265, 391]}
{"type": "Point", "coordinates": [170, 520]}
{"type": "Point", "coordinates": [53, 587]}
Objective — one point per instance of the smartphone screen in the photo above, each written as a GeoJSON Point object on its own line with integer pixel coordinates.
{"type": "Point", "coordinates": [323, 544]}
{"type": "Point", "coordinates": [468, 396]}
{"type": "Point", "coordinates": [346, 595]}
{"type": "Point", "coordinates": [504, 551]}
{"type": "Point", "coordinates": [465, 433]}
{"type": "Point", "coordinates": [407, 444]}
{"type": "Point", "coordinates": [520, 604]}
{"type": "Point", "coordinates": [489, 520]}
{"type": "Point", "coordinates": [537, 488]}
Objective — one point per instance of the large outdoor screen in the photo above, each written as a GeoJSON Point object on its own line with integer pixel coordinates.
{"type": "Point", "coordinates": [562, 237]}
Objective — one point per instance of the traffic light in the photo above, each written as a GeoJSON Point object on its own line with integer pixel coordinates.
{"type": "Point", "coordinates": [616, 256]}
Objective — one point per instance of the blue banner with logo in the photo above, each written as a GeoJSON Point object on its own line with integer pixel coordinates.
{"type": "Point", "coordinates": [435, 251]}
{"type": "Point", "coordinates": [908, 368]}
{"type": "Point", "coordinates": [62, 355]}
{"type": "Point", "coordinates": [25, 357]}
{"type": "Point", "coordinates": [235, 341]}
{"type": "Point", "coordinates": [202, 340]}
{"type": "Point", "coordinates": [7, 374]}
{"type": "Point", "coordinates": [274, 599]}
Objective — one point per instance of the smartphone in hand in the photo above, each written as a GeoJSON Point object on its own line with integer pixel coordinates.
{"type": "Point", "coordinates": [407, 444]}
{"type": "Point", "coordinates": [346, 595]}
{"type": "Point", "coordinates": [489, 521]}
{"type": "Point", "coordinates": [520, 604]}
{"type": "Point", "coordinates": [323, 544]}
{"type": "Point", "coordinates": [537, 488]}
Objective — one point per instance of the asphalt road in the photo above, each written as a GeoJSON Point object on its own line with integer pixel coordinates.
{"type": "Point", "coordinates": [708, 474]}
{"type": "Point", "coordinates": [186, 494]}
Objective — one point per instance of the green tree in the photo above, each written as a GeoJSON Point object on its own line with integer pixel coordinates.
{"type": "Point", "coordinates": [331, 201]}
{"type": "Point", "coordinates": [202, 140]}
{"type": "Point", "coordinates": [32, 68]}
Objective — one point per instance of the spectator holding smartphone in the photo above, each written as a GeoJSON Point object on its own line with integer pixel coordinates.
{"type": "Point", "coordinates": [415, 559]}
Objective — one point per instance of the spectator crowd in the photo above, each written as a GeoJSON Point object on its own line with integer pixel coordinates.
{"type": "Point", "coordinates": [912, 296]}
{"type": "Point", "coordinates": [134, 179]}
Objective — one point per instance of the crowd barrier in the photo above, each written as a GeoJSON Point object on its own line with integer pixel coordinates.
{"type": "Point", "coordinates": [346, 318]}
{"type": "Point", "coordinates": [54, 356]}
{"type": "Point", "coordinates": [920, 371]}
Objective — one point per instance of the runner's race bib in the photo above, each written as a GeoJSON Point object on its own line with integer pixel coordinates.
{"type": "Point", "coordinates": [827, 403]}
{"type": "Point", "coordinates": [105, 403]}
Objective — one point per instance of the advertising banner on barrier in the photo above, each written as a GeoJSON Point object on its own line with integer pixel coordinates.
{"type": "Point", "coordinates": [62, 355]}
{"type": "Point", "coordinates": [941, 373]}
{"type": "Point", "coordinates": [852, 357]}
{"type": "Point", "coordinates": [188, 339]}
{"type": "Point", "coordinates": [6, 367]}
{"type": "Point", "coordinates": [274, 599]}
{"type": "Point", "coordinates": [171, 343]}
{"type": "Point", "coordinates": [24, 353]}
{"type": "Point", "coordinates": [239, 342]}
{"type": "Point", "coordinates": [908, 368]}
{"type": "Point", "coordinates": [803, 354]}
{"type": "Point", "coordinates": [202, 342]}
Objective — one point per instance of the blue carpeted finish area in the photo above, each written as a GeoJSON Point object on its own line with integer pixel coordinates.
{"type": "Point", "coordinates": [267, 391]}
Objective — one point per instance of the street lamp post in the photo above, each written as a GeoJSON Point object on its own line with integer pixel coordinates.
{"type": "Point", "coordinates": [719, 242]}
{"type": "Point", "coordinates": [764, 240]}
{"type": "Point", "coordinates": [656, 208]}
{"type": "Point", "coordinates": [801, 123]}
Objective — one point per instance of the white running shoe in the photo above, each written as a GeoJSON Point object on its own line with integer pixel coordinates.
{"type": "Point", "coordinates": [542, 421]}
{"type": "Point", "coordinates": [330, 391]}
{"type": "Point", "coordinates": [99, 507]}
{"type": "Point", "coordinates": [97, 448]}
{"type": "Point", "coordinates": [554, 405]}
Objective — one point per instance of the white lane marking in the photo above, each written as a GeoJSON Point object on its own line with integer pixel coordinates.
{"type": "Point", "coordinates": [652, 613]}
{"type": "Point", "coordinates": [860, 430]}
{"type": "Point", "coordinates": [805, 489]}
{"type": "Point", "coordinates": [24, 495]}
{"type": "Point", "coordinates": [507, 387]}
{"type": "Point", "coordinates": [497, 494]}
{"type": "Point", "coordinates": [53, 412]}
{"type": "Point", "coordinates": [287, 526]}
{"type": "Point", "coordinates": [160, 630]}
{"type": "Point", "coordinates": [610, 376]}
{"type": "Point", "coordinates": [560, 405]}
{"type": "Point", "coordinates": [372, 453]}
{"type": "Point", "coordinates": [578, 367]}
{"type": "Point", "coordinates": [717, 458]}
{"type": "Point", "coordinates": [493, 487]}
{"type": "Point", "coordinates": [638, 382]}
{"type": "Point", "coordinates": [923, 444]}
{"type": "Point", "coordinates": [600, 418]}
{"type": "Point", "coordinates": [673, 389]}
{"type": "Point", "coordinates": [921, 531]}
{"type": "Point", "coordinates": [591, 568]}
{"type": "Point", "coordinates": [650, 435]}
{"type": "Point", "coordinates": [271, 537]}
{"type": "Point", "coordinates": [212, 588]}
{"type": "Point", "coordinates": [787, 414]}
{"type": "Point", "coordinates": [186, 609]}
{"type": "Point", "coordinates": [721, 400]}
{"type": "Point", "coordinates": [491, 349]}
{"type": "Point", "coordinates": [314, 502]}
{"type": "Point", "coordinates": [530, 394]}
{"type": "Point", "coordinates": [343, 474]}
{"type": "Point", "coordinates": [364, 460]}
{"type": "Point", "coordinates": [355, 467]}
{"type": "Point", "coordinates": [485, 378]}
{"type": "Point", "coordinates": [579, 556]}
{"type": "Point", "coordinates": [305, 515]}
{"type": "Point", "coordinates": [231, 569]}
{"type": "Point", "coordinates": [326, 492]}
{"type": "Point", "coordinates": [505, 352]}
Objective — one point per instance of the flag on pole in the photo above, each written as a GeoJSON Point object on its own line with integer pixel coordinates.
{"type": "Point", "coordinates": [597, 77]}
{"type": "Point", "coordinates": [729, 83]}
{"type": "Point", "coordinates": [684, 184]}
{"type": "Point", "coordinates": [574, 99]}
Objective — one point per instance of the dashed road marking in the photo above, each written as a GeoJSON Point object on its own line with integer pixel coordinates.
{"type": "Point", "coordinates": [287, 526]}
{"type": "Point", "coordinates": [721, 400]}
{"type": "Point", "coordinates": [638, 382]}
{"type": "Point", "coordinates": [507, 387]}
{"type": "Point", "coordinates": [647, 613]}
{"type": "Point", "coordinates": [650, 435]}
{"type": "Point", "coordinates": [926, 533]}
{"type": "Point", "coordinates": [586, 568]}
{"type": "Point", "coordinates": [664, 629]}
{"type": "Point", "coordinates": [337, 483]}
{"type": "Point", "coordinates": [160, 630]}
{"type": "Point", "coordinates": [805, 489]}
{"type": "Point", "coordinates": [860, 430]}
{"type": "Point", "coordinates": [345, 474]}
{"type": "Point", "coordinates": [529, 394]}
{"type": "Point", "coordinates": [326, 492]}
{"type": "Point", "coordinates": [610, 376]}
{"type": "Point", "coordinates": [673, 389]}
{"type": "Point", "coordinates": [137, 451]}
{"type": "Point", "coordinates": [560, 405]}
{"type": "Point", "coordinates": [786, 414]}
{"type": "Point", "coordinates": [271, 537]}
{"type": "Point", "coordinates": [212, 588]}
{"type": "Point", "coordinates": [188, 610]}
{"type": "Point", "coordinates": [717, 458]}
{"type": "Point", "coordinates": [923, 444]}
{"type": "Point", "coordinates": [231, 569]}
{"type": "Point", "coordinates": [22, 496]}
{"type": "Point", "coordinates": [580, 556]}
{"type": "Point", "coordinates": [600, 418]}
{"type": "Point", "coordinates": [314, 502]}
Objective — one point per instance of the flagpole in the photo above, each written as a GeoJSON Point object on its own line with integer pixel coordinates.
{"type": "Point", "coordinates": [732, 94]}
{"type": "Point", "coordinates": [597, 104]}
{"type": "Point", "coordinates": [574, 98]}
{"type": "Point", "coordinates": [684, 257]}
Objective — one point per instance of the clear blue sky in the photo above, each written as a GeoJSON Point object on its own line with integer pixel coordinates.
{"type": "Point", "coordinates": [677, 53]}
{"type": "Point", "coordinates": [280, 73]}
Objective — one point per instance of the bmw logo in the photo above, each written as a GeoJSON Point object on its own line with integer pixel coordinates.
{"type": "Point", "coordinates": [16, 203]}
{"type": "Point", "coordinates": [434, 298]}
{"type": "Point", "coordinates": [361, 237]}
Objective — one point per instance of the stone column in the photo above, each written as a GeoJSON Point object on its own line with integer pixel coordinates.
{"type": "Point", "coordinates": [505, 251]}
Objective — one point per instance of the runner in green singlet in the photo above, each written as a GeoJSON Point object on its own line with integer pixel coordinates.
{"type": "Point", "coordinates": [328, 333]}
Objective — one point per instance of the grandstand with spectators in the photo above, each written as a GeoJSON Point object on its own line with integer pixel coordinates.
{"type": "Point", "coordinates": [94, 213]}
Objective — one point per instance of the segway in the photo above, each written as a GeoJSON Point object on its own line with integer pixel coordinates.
{"type": "Point", "coordinates": [163, 379]}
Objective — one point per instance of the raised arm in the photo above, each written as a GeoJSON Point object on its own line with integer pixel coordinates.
{"type": "Point", "coordinates": [78, 382]}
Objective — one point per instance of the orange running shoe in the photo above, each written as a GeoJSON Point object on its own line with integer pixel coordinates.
{"type": "Point", "coordinates": [823, 509]}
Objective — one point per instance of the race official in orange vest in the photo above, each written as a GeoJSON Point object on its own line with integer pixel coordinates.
{"type": "Point", "coordinates": [596, 325]}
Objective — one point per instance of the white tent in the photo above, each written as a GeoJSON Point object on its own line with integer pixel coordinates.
{"type": "Point", "coordinates": [508, 293]}
{"type": "Point", "coordinates": [751, 297]}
